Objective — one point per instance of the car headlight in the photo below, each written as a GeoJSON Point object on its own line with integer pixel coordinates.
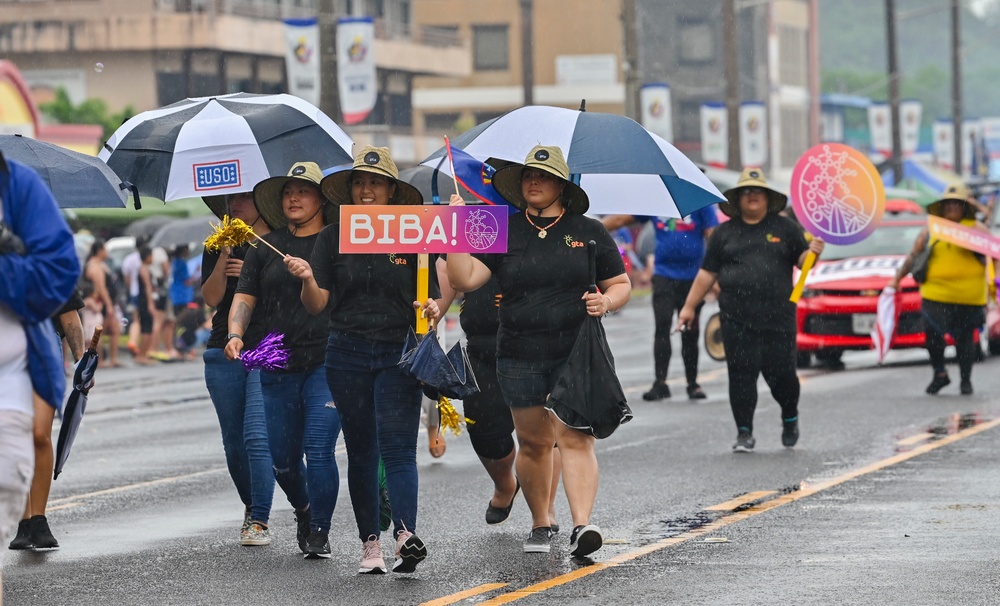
{"type": "Point", "coordinates": [808, 293]}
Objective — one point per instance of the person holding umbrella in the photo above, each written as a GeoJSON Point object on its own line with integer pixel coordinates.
{"type": "Point", "coordinates": [235, 392]}
{"type": "Point", "coordinates": [368, 300]}
{"type": "Point", "coordinates": [298, 407]}
{"type": "Point", "coordinates": [752, 256]}
{"type": "Point", "coordinates": [544, 277]}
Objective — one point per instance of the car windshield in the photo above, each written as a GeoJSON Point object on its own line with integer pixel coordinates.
{"type": "Point", "coordinates": [888, 239]}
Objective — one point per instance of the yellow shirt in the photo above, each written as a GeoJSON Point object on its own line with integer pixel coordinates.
{"type": "Point", "coordinates": [954, 274]}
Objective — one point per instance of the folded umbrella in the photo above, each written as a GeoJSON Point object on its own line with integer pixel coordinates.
{"type": "Point", "coordinates": [76, 405]}
{"type": "Point", "coordinates": [887, 313]}
{"type": "Point", "coordinates": [449, 375]}
{"type": "Point", "coordinates": [588, 395]}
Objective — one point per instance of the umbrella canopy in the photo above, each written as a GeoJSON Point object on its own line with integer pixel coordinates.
{"type": "Point", "coordinates": [449, 375]}
{"type": "Point", "coordinates": [182, 231]}
{"type": "Point", "coordinates": [226, 144]}
{"type": "Point", "coordinates": [429, 182]}
{"type": "Point", "coordinates": [147, 228]}
{"type": "Point", "coordinates": [623, 167]}
{"type": "Point", "coordinates": [76, 405]}
{"type": "Point", "coordinates": [76, 180]}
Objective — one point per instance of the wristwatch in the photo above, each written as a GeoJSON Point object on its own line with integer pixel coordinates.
{"type": "Point", "coordinates": [232, 336]}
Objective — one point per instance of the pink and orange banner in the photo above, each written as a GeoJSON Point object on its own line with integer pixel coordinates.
{"type": "Point", "coordinates": [423, 229]}
{"type": "Point", "coordinates": [966, 237]}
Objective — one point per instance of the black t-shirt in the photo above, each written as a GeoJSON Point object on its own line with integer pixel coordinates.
{"type": "Point", "coordinates": [543, 281]}
{"type": "Point", "coordinates": [754, 265]}
{"type": "Point", "coordinates": [480, 316]}
{"type": "Point", "coordinates": [220, 321]}
{"type": "Point", "coordinates": [278, 294]}
{"type": "Point", "coordinates": [371, 295]}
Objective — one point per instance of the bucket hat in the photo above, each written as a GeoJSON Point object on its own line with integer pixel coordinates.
{"type": "Point", "coordinates": [752, 177]}
{"type": "Point", "coordinates": [956, 192]}
{"type": "Point", "coordinates": [507, 180]}
{"type": "Point", "coordinates": [267, 194]}
{"type": "Point", "coordinates": [377, 160]}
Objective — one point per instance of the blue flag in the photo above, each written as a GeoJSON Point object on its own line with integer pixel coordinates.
{"type": "Point", "coordinates": [475, 176]}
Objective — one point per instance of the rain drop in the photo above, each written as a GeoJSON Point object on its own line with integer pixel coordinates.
{"type": "Point", "coordinates": [98, 67]}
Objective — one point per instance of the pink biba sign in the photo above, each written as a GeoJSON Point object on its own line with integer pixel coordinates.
{"type": "Point", "coordinates": [423, 229]}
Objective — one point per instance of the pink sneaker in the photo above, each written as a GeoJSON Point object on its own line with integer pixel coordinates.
{"type": "Point", "coordinates": [410, 551]}
{"type": "Point", "coordinates": [371, 557]}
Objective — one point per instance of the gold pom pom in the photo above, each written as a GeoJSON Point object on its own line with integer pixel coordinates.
{"type": "Point", "coordinates": [450, 419]}
{"type": "Point", "coordinates": [230, 232]}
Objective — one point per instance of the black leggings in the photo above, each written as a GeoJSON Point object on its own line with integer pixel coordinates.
{"type": "Point", "coordinates": [961, 322]}
{"type": "Point", "coordinates": [668, 297]}
{"type": "Point", "coordinates": [750, 353]}
{"type": "Point", "coordinates": [492, 432]}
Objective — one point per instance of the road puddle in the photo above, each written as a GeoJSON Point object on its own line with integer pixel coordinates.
{"type": "Point", "coordinates": [941, 428]}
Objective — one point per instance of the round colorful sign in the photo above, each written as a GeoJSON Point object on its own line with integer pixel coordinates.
{"type": "Point", "coordinates": [837, 193]}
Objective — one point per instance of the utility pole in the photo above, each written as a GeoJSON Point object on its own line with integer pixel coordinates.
{"type": "Point", "coordinates": [732, 75]}
{"type": "Point", "coordinates": [890, 31]}
{"type": "Point", "coordinates": [956, 83]}
{"type": "Point", "coordinates": [329, 93]}
{"type": "Point", "coordinates": [527, 54]}
{"type": "Point", "coordinates": [630, 35]}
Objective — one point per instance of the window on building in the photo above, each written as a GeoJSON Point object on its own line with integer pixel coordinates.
{"type": "Point", "coordinates": [439, 35]}
{"type": "Point", "coordinates": [441, 122]}
{"type": "Point", "coordinates": [792, 56]}
{"type": "Point", "coordinates": [696, 42]}
{"type": "Point", "coordinates": [490, 47]}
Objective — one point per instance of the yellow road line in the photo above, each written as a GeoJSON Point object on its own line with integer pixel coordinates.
{"type": "Point", "coordinates": [743, 500]}
{"type": "Point", "coordinates": [468, 593]}
{"type": "Point", "coordinates": [920, 437]}
{"type": "Point", "coordinates": [804, 491]}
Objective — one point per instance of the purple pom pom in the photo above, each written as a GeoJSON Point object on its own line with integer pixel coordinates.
{"type": "Point", "coordinates": [270, 354]}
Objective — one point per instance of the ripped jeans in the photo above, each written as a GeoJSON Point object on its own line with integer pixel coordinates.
{"type": "Point", "coordinates": [301, 420]}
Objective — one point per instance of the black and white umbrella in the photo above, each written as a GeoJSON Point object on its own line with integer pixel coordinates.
{"type": "Point", "coordinates": [210, 146]}
{"type": "Point", "coordinates": [623, 167]}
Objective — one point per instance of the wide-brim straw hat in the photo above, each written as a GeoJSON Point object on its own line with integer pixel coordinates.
{"type": "Point", "coordinates": [219, 205]}
{"type": "Point", "coordinates": [752, 177]}
{"type": "Point", "coordinates": [957, 192]}
{"type": "Point", "coordinates": [507, 180]}
{"type": "Point", "coordinates": [267, 194]}
{"type": "Point", "coordinates": [376, 160]}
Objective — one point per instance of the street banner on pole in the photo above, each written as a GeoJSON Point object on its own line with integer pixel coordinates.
{"type": "Point", "coordinates": [944, 144]}
{"type": "Point", "coordinates": [356, 68]}
{"type": "Point", "coordinates": [880, 127]}
{"type": "Point", "coordinates": [910, 114]}
{"type": "Point", "coordinates": [970, 137]}
{"type": "Point", "coordinates": [753, 134]}
{"type": "Point", "coordinates": [302, 58]}
{"type": "Point", "coordinates": [967, 237]}
{"type": "Point", "coordinates": [714, 135]}
{"type": "Point", "coordinates": [657, 113]}
{"type": "Point", "coordinates": [423, 229]}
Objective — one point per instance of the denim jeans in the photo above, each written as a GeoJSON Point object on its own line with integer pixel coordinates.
{"type": "Point", "coordinates": [240, 407]}
{"type": "Point", "coordinates": [379, 406]}
{"type": "Point", "coordinates": [301, 420]}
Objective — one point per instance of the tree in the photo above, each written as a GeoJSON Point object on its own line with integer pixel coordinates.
{"type": "Point", "coordinates": [91, 111]}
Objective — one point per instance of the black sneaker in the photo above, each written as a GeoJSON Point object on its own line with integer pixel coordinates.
{"type": "Point", "coordinates": [695, 392]}
{"type": "Point", "coordinates": [41, 536]}
{"type": "Point", "coordinates": [23, 538]}
{"type": "Point", "coordinates": [499, 515]}
{"type": "Point", "coordinates": [966, 388]}
{"type": "Point", "coordinates": [317, 546]}
{"type": "Point", "coordinates": [790, 432]}
{"type": "Point", "coordinates": [658, 391]}
{"type": "Point", "coordinates": [744, 442]}
{"type": "Point", "coordinates": [302, 520]}
{"type": "Point", "coordinates": [939, 382]}
{"type": "Point", "coordinates": [585, 540]}
{"type": "Point", "coordinates": [410, 551]}
{"type": "Point", "coordinates": [539, 541]}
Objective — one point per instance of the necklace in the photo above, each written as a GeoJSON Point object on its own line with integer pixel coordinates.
{"type": "Point", "coordinates": [543, 231]}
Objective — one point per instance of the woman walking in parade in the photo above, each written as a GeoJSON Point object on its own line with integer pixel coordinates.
{"type": "Point", "coordinates": [752, 257]}
{"type": "Point", "coordinates": [544, 277]}
{"type": "Point", "coordinates": [953, 295]}
{"type": "Point", "coordinates": [371, 305]}
{"type": "Point", "coordinates": [298, 408]}
{"type": "Point", "coordinates": [235, 392]}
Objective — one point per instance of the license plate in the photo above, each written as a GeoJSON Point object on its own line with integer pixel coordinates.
{"type": "Point", "coordinates": [863, 323]}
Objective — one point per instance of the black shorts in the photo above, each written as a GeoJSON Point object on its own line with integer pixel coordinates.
{"type": "Point", "coordinates": [527, 383]}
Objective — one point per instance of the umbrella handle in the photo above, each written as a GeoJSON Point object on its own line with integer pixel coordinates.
{"type": "Point", "coordinates": [97, 338]}
{"type": "Point", "coordinates": [592, 265]}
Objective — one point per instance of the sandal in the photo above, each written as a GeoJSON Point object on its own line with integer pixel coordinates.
{"type": "Point", "coordinates": [436, 445]}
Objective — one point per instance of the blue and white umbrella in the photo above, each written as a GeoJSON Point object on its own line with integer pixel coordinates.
{"type": "Point", "coordinates": [211, 146]}
{"type": "Point", "coordinates": [624, 168]}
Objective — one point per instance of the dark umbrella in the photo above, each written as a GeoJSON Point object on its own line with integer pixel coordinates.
{"type": "Point", "coordinates": [449, 375]}
{"type": "Point", "coordinates": [76, 405]}
{"type": "Point", "coordinates": [76, 180]}
{"type": "Point", "coordinates": [182, 231]}
{"type": "Point", "coordinates": [588, 395]}
{"type": "Point", "coordinates": [147, 227]}
{"type": "Point", "coordinates": [430, 181]}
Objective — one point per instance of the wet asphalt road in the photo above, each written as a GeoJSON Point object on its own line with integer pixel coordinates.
{"type": "Point", "coordinates": [891, 497]}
